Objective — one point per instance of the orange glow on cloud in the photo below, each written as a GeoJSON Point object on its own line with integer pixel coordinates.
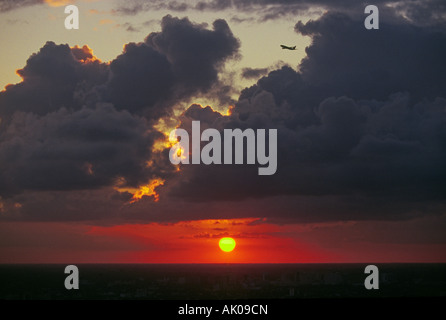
{"type": "Point", "coordinates": [17, 72]}
{"type": "Point", "coordinates": [179, 152]}
{"type": "Point", "coordinates": [166, 142]}
{"type": "Point", "coordinates": [144, 190]}
{"type": "Point", "coordinates": [148, 190]}
{"type": "Point", "coordinates": [84, 54]}
{"type": "Point", "coordinates": [229, 111]}
{"type": "Point", "coordinates": [58, 3]}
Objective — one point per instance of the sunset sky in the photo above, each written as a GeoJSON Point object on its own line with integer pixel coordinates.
{"type": "Point", "coordinates": [85, 115]}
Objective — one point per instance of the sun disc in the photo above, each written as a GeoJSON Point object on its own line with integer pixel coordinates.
{"type": "Point", "coordinates": [227, 244]}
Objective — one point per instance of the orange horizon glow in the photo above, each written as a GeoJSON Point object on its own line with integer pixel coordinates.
{"type": "Point", "coordinates": [195, 242]}
{"type": "Point", "coordinates": [198, 242]}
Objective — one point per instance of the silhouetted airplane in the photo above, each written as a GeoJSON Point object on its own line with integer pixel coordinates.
{"type": "Point", "coordinates": [289, 48]}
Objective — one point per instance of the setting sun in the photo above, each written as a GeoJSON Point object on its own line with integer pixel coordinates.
{"type": "Point", "coordinates": [227, 244]}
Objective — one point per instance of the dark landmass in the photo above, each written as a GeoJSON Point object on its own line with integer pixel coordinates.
{"type": "Point", "coordinates": [221, 281]}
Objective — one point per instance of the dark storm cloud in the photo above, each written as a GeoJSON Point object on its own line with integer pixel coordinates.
{"type": "Point", "coordinates": [64, 150]}
{"type": "Point", "coordinates": [182, 60]}
{"type": "Point", "coordinates": [424, 12]}
{"type": "Point", "coordinates": [361, 130]}
{"type": "Point", "coordinates": [75, 123]}
{"type": "Point", "coordinates": [142, 77]}
{"type": "Point", "coordinates": [373, 64]}
{"type": "Point", "coordinates": [195, 53]}
{"type": "Point", "coordinates": [361, 127]}
{"type": "Point", "coordinates": [51, 78]}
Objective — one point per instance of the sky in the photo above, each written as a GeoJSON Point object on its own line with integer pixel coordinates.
{"type": "Point", "coordinates": [85, 117]}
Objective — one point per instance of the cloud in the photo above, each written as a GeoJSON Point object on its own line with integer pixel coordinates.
{"type": "Point", "coordinates": [8, 5]}
{"type": "Point", "coordinates": [142, 78]}
{"type": "Point", "coordinates": [196, 54]}
{"type": "Point", "coordinates": [419, 12]}
{"type": "Point", "coordinates": [423, 12]}
{"type": "Point", "coordinates": [76, 123]}
{"type": "Point", "coordinates": [58, 3]}
{"type": "Point", "coordinates": [148, 78]}
{"type": "Point", "coordinates": [129, 27]}
{"type": "Point", "coordinates": [181, 61]}
{"type": "Point", "coordinates": [55, 76]}
{"type": "Point", "coordinates": [398, 58]}
{"type": "Point", "coordinates": [361, 128]}
{"type": "Point", "coordinates": [85, 149]}
{"type": "Point", "coordinates": [256, 73]}
{"type": "Point", "coordinates": [253, 73]}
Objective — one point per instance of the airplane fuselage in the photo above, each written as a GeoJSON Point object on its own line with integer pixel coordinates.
{"type": "Point", "coordinates": [288, 48]}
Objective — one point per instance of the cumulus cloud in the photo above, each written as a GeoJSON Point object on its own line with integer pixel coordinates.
{"type": "Point", "coordinates": [64, 150]}
{"type": "Point", "coordinates": [361, 127]}
{"type": "Point", "coordinates": [181, 61]}
{"type": "Point", "coordinates": [76, 123]}
{"type": "Point", "coordinates": [51, 79]}
{"type": "Point", "coordinates": [397, 58]}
